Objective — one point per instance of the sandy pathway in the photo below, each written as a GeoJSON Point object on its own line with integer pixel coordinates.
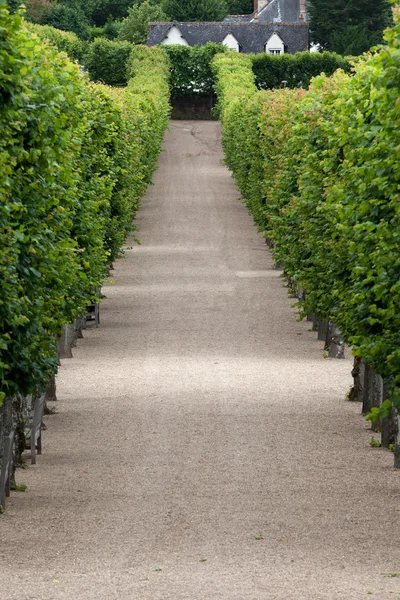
{"type": "Point", "coordinates": [202, 448]}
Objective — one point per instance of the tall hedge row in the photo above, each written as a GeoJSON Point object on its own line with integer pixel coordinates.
{"type": "Point", "coordinates": [320, 171]}
{"type": "Point", "coordinates": [295, 70]}
{"type": "Point", "coordinates": [74, 160]}
{"type": "Point", "coordinates": [64, 41]}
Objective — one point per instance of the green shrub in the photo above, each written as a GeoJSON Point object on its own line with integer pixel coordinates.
{"type": "Point", "coordinates": [40, 89]}
{"type": "Point", "coordinates": [319, 169]}
{"type": "Point", "coordinates": [64, 41]}
{"type": "Point", "coordinates": [145, 109]}
{"type": "Point", "coordinates": [295, 70]}
{"type": "Point", "coordinates": [74, 161]}
{"type": "Point", "coordinates": [106, 61]}
{"type": "Point", "coordinates": [191, 73]}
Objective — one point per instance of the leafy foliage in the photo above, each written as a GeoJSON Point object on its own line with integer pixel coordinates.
{"type": "Point", "coordinates": [134, 27]}
{"type": "Point", "coordinates": [66, 17]}
{"type": "Point", "coordinates": [240, 7]}
{"type": "Point", "coordinates": [191, 73]}
{"type": "Point", "coordinates": [195, 10]}
{"type": "Point", "coordinates": [295, 70]}
{"type": "Point", "coordinates": [74, 160]}
{"type": "Point", "coordinates": [64, 41]}
{"type": "Point", "coordinates": [348, 26]}
{"type": "Point", "coordinates": [106, 61]}
{"type": "Point", "coordinates": [319, 170]}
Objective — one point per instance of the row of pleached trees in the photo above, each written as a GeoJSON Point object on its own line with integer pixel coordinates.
{"type": "Point", "coordinates": [75, 159]}
{"type": "Point", "coordinates": [319, 170]}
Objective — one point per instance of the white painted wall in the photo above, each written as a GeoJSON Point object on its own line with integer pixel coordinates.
{"type": "Point", "coordinates": [174, 36]}
{"type": "Point", "coordinates": [231, 42]}
{"type": "Point", "coordinates": [275, 43]}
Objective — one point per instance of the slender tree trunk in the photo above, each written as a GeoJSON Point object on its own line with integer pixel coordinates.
{"type": "Point", "coordinates": [335, 343]}
{"type": "Point", "coordinates": [396, 415]}
{"type": "Point", "coordinates": [67, 341]}
{"type": "Point", "coordinates": [356, 392]}
{"type": "Point", "coordinates": [323, 330]}
{"type": "Point", "coordinates": [367, 390]}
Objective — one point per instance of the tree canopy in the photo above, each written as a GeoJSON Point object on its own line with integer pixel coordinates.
{"type": "Point", "coordinates": [134, 27]}
{"type": "Point", "coordinates": [125, 19]}
{"type": "Point", "coordinates": [195, 10]}
{"type": "Point", "coordinates": [348, 26]}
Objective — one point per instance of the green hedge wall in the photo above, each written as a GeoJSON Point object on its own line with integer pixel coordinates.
{"type": "Point", "coordinates": [74, 160]}
{"type": "Point", "coordinates": [106, 60]}
{"type": "Point", "coordinates": [191, 73]}
{"type": "Point", "coordinates": [64, 41]}
{"type": "Point", "coordinates": [320, 171]}
{"type": "Point", "coordinates": [295, 70]}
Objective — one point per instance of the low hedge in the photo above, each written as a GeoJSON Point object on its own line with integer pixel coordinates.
{"type": "Point", "coordinates": [319, 170]}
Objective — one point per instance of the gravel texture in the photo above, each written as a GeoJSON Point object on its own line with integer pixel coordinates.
{"type": "Point", "coordinates": [201, 446]}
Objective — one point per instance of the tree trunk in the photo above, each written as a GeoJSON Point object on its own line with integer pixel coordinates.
{"type": "Point", "coordinates": [396, 415]}
{"type": "Point", "coordinates": [67, 341]}
{"type": "Point", "coordinates": [335, 343]}
{"type": "Point", "coordinates": [388, 427]}
{"type": "Point", "coordinates": [356, 392]}
{"type": "Point", "coordinates": [80, 325]}
{"type": "Point", "coordinates": [322, 330]}
{"type": "Point", "coordinates": [377, 398]}
{"type": "Point", "coordinates": [367, 390]}
{"type": "Point", "coordinates": [316, 322]}
{"type": "Point", "coordinates": [6, 425]}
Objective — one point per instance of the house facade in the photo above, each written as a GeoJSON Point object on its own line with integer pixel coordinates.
{"type": "Point", "coordinates": [252, 36]}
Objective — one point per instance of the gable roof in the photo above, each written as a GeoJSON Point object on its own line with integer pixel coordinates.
{"type": "Point", "coordinates": [252, 37]}
{"type": "Point", "coordinates": [172, 25]}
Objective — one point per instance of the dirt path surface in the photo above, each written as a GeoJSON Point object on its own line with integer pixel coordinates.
{"type": "Point", "coordinates": [202, 448]}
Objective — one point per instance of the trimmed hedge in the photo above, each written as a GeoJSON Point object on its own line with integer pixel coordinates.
{"type": "Point", "coordinates": [75, 158]}
{"type": "Point", "coordinates": [295, 70]}
{"type": "Point", "coordinates": [191, 73]}
{"type": "Point", "coordinates": [320, 171]}
{"type": "Point", "coordinates": [106, 60]}
{"type": "Point", "coordinates": [64, 41]}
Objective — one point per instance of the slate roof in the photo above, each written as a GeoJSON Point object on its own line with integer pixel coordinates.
{"type": "Point", "coordinates": [252, 37]}
{"type": "Point", "coordinates": [238, 18]}
{"type": "Point", "coordinates": [286, 10]}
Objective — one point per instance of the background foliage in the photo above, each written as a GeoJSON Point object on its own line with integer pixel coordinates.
{"type": "Point", "coordinates": [191, 73]}
{"type": "Point", "coordinates": [348, 27]}
{"type": "Point", "coordinates": [295, 70]}
{"type": "Point", "coordinates": [106, 61]}
{"type": "Point", "coordinates": [125, 19]}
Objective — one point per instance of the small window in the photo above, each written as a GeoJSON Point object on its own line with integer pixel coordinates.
{"type": "Point", "coordinates": [273, 51]}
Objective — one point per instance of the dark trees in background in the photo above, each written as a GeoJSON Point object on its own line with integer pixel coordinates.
{"type": "Point", "coordinates": [240, 7]}
{"type": "Point", "coordinates": [348, 26]}
{"type": "Point", "coordinates": [68, 16]}
{"type": "Point", "coordinates": [195, 10]}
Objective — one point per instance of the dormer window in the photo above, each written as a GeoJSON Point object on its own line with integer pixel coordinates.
{"type": "Point", "coordinates": [275, 45]}
{"type": "Point", "coordinates": [174, 36]}
{"type": "Point", "coordinates": [232, 43]}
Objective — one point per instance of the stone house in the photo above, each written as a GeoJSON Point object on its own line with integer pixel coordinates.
{"type": "Point", "coordinates": [275, 26]}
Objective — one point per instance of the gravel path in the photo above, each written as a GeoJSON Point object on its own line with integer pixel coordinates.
{"type": "Point", "coordinates": [202, 448]}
